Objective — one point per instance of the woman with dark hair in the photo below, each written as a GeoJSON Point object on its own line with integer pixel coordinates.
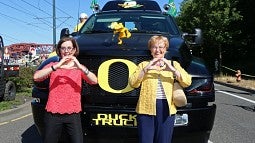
{"type": "Point", "coordinates": [64, 102]}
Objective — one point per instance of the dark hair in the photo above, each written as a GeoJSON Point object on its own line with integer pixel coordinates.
{"type": "Point", "coordinates": [64, 39]}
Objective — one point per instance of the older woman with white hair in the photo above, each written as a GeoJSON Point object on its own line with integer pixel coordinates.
{"type": "Point", "coordinates": [155, 108]}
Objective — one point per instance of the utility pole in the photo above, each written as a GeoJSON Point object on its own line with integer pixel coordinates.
{"type": "Point", "coordinates": [220, 60]}
{"type": "Point", "coordinates": [54, 24]}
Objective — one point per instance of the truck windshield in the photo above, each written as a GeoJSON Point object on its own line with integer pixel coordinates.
{"type": "Point", "coordinates": [135, 22]}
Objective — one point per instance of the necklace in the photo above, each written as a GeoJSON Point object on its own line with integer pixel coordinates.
{"type": "Point", "coordinates": [162, 64]}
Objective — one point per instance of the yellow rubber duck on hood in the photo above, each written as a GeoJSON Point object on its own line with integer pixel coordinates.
{"type": "Point", "coordinates": [121, 30]}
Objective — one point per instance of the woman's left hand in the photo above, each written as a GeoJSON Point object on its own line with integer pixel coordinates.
{"type": "Point", "coordinates": [168, 65]}
{"type": "Point", "coordinates": [76, 62]}
{"type": "Point", "coordinates": [78, 65]}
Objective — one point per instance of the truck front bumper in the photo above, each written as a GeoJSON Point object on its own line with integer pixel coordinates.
{"type": "Point", "coordinates": [108, 123]}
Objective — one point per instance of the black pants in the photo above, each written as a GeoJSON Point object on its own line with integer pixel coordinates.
{"type": "Point", "coordinates": [54, 123]}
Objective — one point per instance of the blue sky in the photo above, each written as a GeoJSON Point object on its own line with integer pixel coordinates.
{"type": "Point", "coordinates": [30, 21]}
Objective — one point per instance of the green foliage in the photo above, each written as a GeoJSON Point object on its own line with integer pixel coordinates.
{"type": "Point", "coordinates": [4, 105]}
{"type": "Point", "coordinates": [25, 78]}
{"type": "Point", "coordinates": [23, 83]}
{"type": "Point", "coordinates": [215, 18]}
{"type": "Point", "coordinates": [220, 22]}
{"type": "Point", "coordinates": [21, 97]}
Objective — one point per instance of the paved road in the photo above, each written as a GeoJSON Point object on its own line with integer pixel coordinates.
{"type": "Point", "coordinates": [17, 126]}
{"type": "Point", "coordinates": [234, 121]}
{"type": "Point", "coordinates": [235, 116]}
{"type": "Point", "coordinates": [20, 131]}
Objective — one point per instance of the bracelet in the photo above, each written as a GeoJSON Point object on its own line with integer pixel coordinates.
{"type": "Point", "coordinates": [53, 68]}
{"type": "Point", "coordinates": [86, 71]}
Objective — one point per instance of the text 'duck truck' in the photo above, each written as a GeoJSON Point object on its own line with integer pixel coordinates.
{"type": "Point", "coordinates": [108, 114]}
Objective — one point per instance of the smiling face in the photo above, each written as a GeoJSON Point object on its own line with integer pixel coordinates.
{"type": "Point", "coordinates": [67, 49]}
{"type": "Point", "coordinates": [158, 49]}
{"type": "Point", "coordinates": [67, 46]}
{"type": "Point", "coordinates": [158, 46]}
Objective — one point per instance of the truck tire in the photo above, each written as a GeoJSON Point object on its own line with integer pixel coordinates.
{"type": "Point", "coordinates": [10, 91]}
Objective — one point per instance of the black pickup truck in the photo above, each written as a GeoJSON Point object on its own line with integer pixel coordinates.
{"type": "Point", "coordinates": [109, 108]}
{"type": "Point", "coordinates": [7, 87]}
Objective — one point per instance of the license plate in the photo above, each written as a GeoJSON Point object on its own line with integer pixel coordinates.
{"type": "Point", "coordinates": [181, 120]}
{"type": "Point", "coordinates": [128, 120]}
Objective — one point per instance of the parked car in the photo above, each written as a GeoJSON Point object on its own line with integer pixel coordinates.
{"type": "Point", "coordinates": [7, 86]}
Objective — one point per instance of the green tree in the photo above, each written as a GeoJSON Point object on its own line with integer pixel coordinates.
{"type": "Point", "coordinates": [247, 26]}
{"type": "Point", "coordinates": [217, 19]}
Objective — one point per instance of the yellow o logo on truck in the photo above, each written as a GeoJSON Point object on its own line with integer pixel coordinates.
{"type": "Point", "coordinates": [103, 75]}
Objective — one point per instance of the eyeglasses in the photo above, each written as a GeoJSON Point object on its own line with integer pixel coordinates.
{"type": "Point", "coordinates": [66, 48]}
{"type": "Point", "coordinates": [160, 47]}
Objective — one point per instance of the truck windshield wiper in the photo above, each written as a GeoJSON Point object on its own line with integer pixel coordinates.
{"type": "Point", "coordinates": [98, 31]}
{"type": "Point", "coordinates": [148, 32]}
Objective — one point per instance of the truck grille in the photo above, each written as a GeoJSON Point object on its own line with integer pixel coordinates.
{"type": "Point", "coordinates": [118, 79]}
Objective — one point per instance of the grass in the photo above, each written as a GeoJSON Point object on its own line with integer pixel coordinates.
{"type": "Point", "coordinates": [245, 83]}
{"type": "Point", "coordinates": [4, 105]}
{"type": "Point", "coordinates": [21, 97]}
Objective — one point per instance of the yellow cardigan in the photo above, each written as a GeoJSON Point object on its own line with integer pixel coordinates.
{"type": "Point", "coordinates": [147, 99]}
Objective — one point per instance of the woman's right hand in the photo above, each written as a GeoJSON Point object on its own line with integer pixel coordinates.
{"type": "Point", "coordinates": [152, 64]}
{"type": "Point", "coordinates": [64, 61]}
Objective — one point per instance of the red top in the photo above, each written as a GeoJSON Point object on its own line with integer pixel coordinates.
{"type": "Point", "coordinates": [65, 90]}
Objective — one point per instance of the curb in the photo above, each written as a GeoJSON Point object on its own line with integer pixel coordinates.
{"type": "Point", "coordinates": [16, 112]}
{"type": "Point", "coordinates": [236, 87]}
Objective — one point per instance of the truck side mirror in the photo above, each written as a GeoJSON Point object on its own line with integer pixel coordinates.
{"type": "Point", "coordinates": [198, 37]}
{"type": "Point", "coordinates": [1, 42]}
{"type": "Point", "coordinates": [64, 33]}
{"type": "Point", "coordinates": [194, 39]}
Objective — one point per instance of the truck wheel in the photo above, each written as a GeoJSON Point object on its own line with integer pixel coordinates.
{"type": "Point", "coordinates": [10, 91]}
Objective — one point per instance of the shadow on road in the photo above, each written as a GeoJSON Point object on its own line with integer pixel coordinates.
{"type": "Point", "coordinates": [248, 108]}
{"type": "Point", "coordinates": [31, 135]}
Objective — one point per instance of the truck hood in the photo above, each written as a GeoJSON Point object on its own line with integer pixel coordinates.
{"type": "Point", "coordinates": [136, 45]}
{"type": "Point", "coordinates": [138, 41]}
{"type": "Point", "coordinates": [109, 41]}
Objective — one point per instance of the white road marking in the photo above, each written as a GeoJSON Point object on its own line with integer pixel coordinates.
{"type": "Point", "coordinates": [236, 96]}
